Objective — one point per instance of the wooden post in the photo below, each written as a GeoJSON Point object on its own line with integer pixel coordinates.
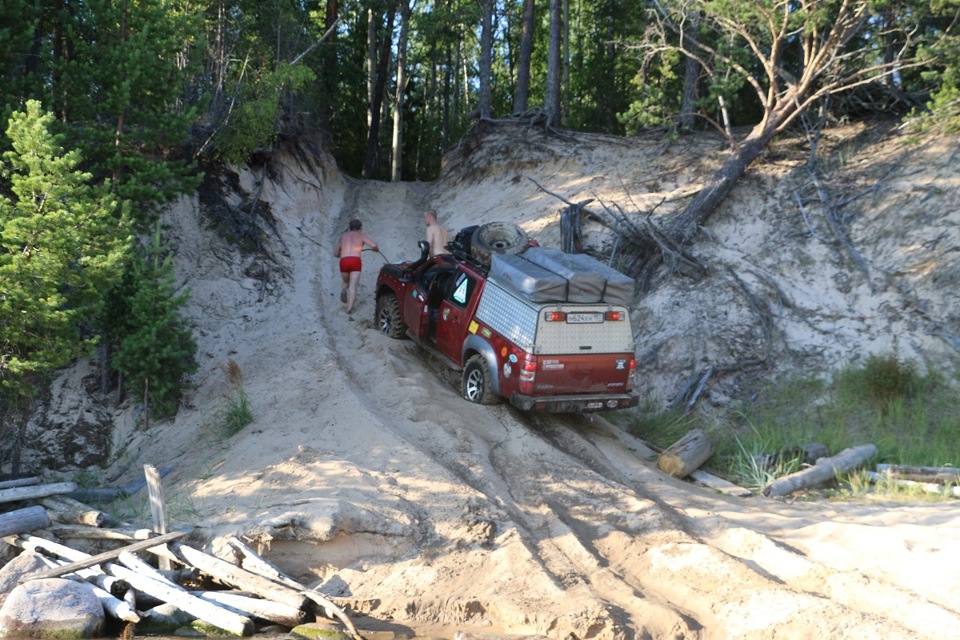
{"type": "Point", "coordinates": [23, 520]}
{"type": "Point", "coordinates": [686, 454]}
{"type": "Point", "coordinates": [158, 506]}
{"type": "Point", "coordinates": [826, 469]}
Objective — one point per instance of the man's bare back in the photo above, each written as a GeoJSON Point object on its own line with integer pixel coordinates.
{"type": "Point", "coordinates": [437, 236]}
{"type": "Point", "coordinates": [351, 244]}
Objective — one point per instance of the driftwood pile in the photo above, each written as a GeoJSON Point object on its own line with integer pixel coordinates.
{"type": "Point", "coordinates": [152, 567]}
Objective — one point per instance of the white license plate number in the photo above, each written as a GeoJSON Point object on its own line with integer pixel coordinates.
{"type": "Point", "coordinates": [585, 318]}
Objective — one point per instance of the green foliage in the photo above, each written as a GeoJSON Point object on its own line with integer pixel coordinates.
{"type": "Point", "coordinates": [255, 123]}
{"type": "Point", "coordinates": [886, 378]}
{"type": "Point", "coordinates": [235, 414]}
{"type": "Point", "coordinates": [155, 349]}
{"type": "Point", "coordinates": [62, 242]}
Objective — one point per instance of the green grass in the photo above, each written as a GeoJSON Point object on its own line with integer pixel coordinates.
{"type": "Point", "coordinates": [912, 419]}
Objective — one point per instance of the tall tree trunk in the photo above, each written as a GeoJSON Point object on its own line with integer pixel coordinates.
{"type": "Point", "coordinates": [691, 75]}
{"type": "Point", "coordinates": [371, 157]}
{"type": "Point", "coordinates": [552, 100]}
{"type": "Point", "coordinates": [396, 165]}
{"type": "Point", "coordinates": [329, 68]}
{"type": "Point", "coordinates": [371, 65]}
{"type": "Point", "coordinates": [522, 94]}
{"type": "Point", "coordinates": [486, 58]}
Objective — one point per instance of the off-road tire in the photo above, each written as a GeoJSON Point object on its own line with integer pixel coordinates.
{"type": "Point", "coordinates": [475, 383]}
{"type": "Point", "coordinates": [498, 237]}
{"type": "Point", "coordinates": [388, 316]}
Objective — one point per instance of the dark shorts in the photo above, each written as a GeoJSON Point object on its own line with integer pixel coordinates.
{"type": "Point", "coordinates": [350, 264]}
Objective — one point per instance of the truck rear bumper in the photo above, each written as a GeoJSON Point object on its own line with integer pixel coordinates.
{"type": "Point", "coordinates": [573, 403]}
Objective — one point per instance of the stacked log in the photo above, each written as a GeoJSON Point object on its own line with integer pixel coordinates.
{"type": "Point", "coordinates": [132, 581]}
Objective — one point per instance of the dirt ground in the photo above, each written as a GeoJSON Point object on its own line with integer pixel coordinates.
{"type": "Point", "coordinates": [365, 474]}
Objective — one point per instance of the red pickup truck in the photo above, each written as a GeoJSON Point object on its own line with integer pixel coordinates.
{"type": "Point", "coordinates": [543, 329]}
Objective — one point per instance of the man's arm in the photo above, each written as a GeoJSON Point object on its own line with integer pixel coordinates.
{"type": "Point", "coordinates": [370, 243]}
{"type": "Point", "coordinates": [337, 250]}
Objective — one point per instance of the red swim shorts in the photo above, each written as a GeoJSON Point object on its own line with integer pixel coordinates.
{"type": "Point", "coordinates": [349, 264]}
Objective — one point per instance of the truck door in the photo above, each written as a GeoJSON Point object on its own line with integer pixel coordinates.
{"type": "Point", "coordinates": [415, 307]}
{"type": "Point", "coordinates": [455, 312]}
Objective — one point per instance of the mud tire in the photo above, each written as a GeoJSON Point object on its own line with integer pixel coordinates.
{"type": "Point", "coordinates": [475, 382]}
{"type": "Point", "coordinates": [388, 316]}
{"type": "Point", "coordinates": [498, 237]}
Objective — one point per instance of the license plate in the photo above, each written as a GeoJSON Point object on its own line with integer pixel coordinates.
{"type": "Point", "coordinates": [594, 405]}
{"type": "Point", "coordinates": [582, 317]}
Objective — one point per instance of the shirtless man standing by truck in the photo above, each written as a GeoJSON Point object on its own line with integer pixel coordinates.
{"type": "Point", "coordinates": [348, 249]}
{"type": "Point", "coordinates": [436, 235]}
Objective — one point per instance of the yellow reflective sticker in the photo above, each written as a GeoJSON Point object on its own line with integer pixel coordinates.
{"type": "Point", "coordinates": [473, 326]}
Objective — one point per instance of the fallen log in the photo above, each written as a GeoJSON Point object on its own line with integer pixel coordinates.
{"type": "Point", "coordinates": [258, 608]}
{"type": "Point", "coordinates": [68, 511]}
{"type": "Point", "coordinates": [87, 532]}
{"type": "Point", "coordinates": [20, 482]}
{"type": "Point", "coordinates": [939, 475]}
{"type": "Point", "coordinates": [232, 575]}
{"type": "Point", "coordinates": [686, 454]}
{"type": "Point", "coordinates": [208, 612]}
{"type": "Point", "coordinates": [82, 560]}
{"type": "Point", "coordinates": [251, 560]}
{"type": "Point", "coordinates": [824, 470]}
{"type": "Point", "coordinates": [23, 520]}
{"type": "Point", "coordinates": [926, 487]}
{"type": "Point", "coordinates": [36, 491]}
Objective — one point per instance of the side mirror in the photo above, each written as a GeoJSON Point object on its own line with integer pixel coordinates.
{"type": "Point", "coordinates": [424, 249]}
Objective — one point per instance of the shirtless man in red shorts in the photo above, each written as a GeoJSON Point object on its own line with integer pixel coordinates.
{"type": "Point", "coordinates": [348, 249]}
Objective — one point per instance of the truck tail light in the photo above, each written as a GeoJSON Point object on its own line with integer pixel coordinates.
{"type": "Point", "coordinates": [528, 373]}
{"type": "Point", "coordinates": [632, 374]}
{"type": "Point", "coordinates": [614, 316]}
{"type": "Point", "coordinates": [555, 316]}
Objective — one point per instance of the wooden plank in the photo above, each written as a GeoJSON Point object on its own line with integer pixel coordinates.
{"type": "Point", "coordinates": [719, 484]}
{"type": "Point", "coordinates": [37, 491]}
{"type": "Point", "coordinates": [105, 556]}
{"type": "Point", "coordinates": [23, 520]}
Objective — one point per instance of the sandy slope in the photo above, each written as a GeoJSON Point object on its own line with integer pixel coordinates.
{"type": "Point", "coordinates": [364, 473]}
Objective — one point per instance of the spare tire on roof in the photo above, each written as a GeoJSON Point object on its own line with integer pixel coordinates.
{"type": "Point", "coordinates": [498, 237]}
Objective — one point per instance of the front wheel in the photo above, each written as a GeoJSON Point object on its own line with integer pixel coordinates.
{"type": "Point", "coordinates": [388, 316]}
{"type": "Point", "coordinates": [474, 385]}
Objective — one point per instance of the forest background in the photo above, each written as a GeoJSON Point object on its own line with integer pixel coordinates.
{"type": "Point", "coordinates": [115, 108]}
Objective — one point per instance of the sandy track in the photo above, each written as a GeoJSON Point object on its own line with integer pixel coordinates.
{"type": "Point", "coordinates": [366, 475]}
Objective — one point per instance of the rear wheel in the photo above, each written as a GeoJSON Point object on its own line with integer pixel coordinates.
{"type": "Point", "coordinates": [388, 316]}
{"type": "Point", "coordinates": [498, 237]}
{"type": "Point", "coordinates": [475, 385]}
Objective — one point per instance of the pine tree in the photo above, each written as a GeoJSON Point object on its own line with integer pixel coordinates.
{"type": "Point", "coordinates": [62, 242]}
{"type": "Point", "coordinates": [156, 347]}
